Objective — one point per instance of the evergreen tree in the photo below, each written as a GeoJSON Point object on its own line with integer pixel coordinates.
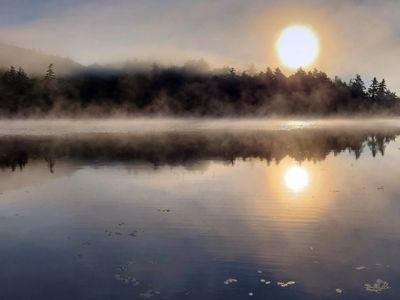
{"type": "Point", "coordinates": [357, 86]}
{"type": "Point", "coordinates": [269, 75]}
{"type": "Point", "coordinates": [391, 96]}
{"type": "Point", "coordinates": [10, 75]}
{"type": "Point", "coordinates": [50, 74]}
{"type": "Point", "coordinates": [278, 74]}
{"type": "Point", "coordinates": [269, 72]}
{"type": "Point", "coordinates": [300, 73]}
{"type": "Point", "coordinates": [50, 88]}
{"type": "Point", "coordinates": [21, 74]}
{"type": "Point", "coordinates": [22, 81]}
{"type": "Point", "coordinates": [382, 90]}
{"type": "Point", "coordinates": [17, 82]}
{"type": "Point", "coordinates": [373, 89]}
{"type": "Point", "coordinates": [280, 81]}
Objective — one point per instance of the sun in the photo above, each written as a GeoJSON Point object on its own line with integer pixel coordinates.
{"type": "Point", "coordinates": [296, 178]}
{"type": "Point", "coordinates": [297, 46]}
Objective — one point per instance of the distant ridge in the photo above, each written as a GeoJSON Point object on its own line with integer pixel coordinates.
{"type": "Point", "coordinates": [35, 62]}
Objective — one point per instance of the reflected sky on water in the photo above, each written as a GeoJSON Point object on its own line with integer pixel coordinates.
{"type": "Point", "coordinates": [176, 216]}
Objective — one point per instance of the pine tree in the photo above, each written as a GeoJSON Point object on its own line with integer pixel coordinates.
{"type": "Point", "coordinates": [373, 89]}
{"type": "Point", "coordinates": [269, 75]}
{"type": "Point", "coordinates": [10, 76]}
{"type": "Point", "coordinates": [382, 90]}
{"type": "Point", "coordinates": [50, 74]}
{"type": "Point", "coordinates": [22, 81]}
{"type": "Point", "coordinates": [21, 75]}
{"type": "Point", "coordinates": [357, 86]}
{"type": "Point", "coordinates": [280, 80]}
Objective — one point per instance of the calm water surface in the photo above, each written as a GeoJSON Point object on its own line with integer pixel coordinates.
{"type": "Point", "coordinates": [293, 210]}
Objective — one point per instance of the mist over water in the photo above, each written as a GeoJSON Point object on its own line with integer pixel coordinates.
{"type": "Point", "coordinates": [199, 209]}
{"type": "Point", "coordinates": [145, 125]}
{"type": "Point", "coordinates": [199, 150]}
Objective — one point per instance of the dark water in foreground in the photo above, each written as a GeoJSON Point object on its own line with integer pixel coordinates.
{"type": "Point", "coordinates": [289, 212]}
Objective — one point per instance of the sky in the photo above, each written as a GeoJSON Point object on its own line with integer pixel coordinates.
{"type": "Point", "coordinates": [355, 36]}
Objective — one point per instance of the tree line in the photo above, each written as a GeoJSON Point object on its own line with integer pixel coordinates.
{"type": "Point", "coordinates": [183, 91]}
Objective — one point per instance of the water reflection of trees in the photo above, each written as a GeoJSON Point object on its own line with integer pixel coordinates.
{"type": "Point", "coordinates": [185, 148]}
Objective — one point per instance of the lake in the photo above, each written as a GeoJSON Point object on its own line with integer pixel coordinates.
{"type": "Point", "coordinates": [200, 209]}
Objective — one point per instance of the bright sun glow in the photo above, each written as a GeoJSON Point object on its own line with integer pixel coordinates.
{"type": "Point", "coordinates": [297, 46]}
{"type": "Point", "coordinates": [296, 178]}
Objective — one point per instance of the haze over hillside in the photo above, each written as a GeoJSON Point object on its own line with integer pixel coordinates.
{"type": "Point", "coordinates": [35, 62]}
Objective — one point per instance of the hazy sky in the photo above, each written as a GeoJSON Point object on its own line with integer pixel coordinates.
{"type": "Point", "coordinates": [355, 36]}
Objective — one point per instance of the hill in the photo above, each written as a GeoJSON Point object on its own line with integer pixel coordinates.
{"type": "Point", "coordinates": [35, 62]}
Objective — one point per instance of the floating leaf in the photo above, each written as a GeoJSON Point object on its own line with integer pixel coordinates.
{"type": "Point", "coordinates": [379, 286]}
{"type": "Point", "coordinates": [285, 284]}
{"type": "Point", "coordinates": [230, 281]}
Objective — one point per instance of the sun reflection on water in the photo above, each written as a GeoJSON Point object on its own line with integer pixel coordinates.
{"type": "Point", "coordinates": [296, 178]}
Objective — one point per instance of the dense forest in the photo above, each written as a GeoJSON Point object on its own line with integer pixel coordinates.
{"type": "Point", "coordinates": [189, 91]}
